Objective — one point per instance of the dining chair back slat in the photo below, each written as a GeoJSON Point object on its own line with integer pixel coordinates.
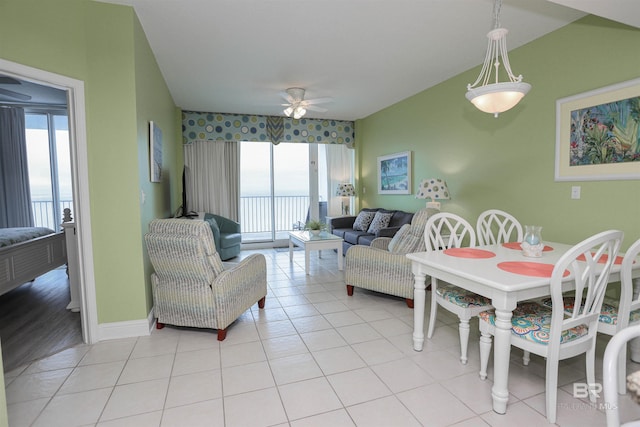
{"type": "Point", "coordinates": [495, 226]}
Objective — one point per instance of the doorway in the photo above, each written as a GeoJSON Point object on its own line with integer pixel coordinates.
{"type": "Point", "coordinates": [80, 177]}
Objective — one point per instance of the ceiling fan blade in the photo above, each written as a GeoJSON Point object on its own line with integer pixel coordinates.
{"type": "Point", "coordinates": [286, 97]}
{"type": "Point", "coordinates": [6, 80]}
{"type": "Point", "coordinates": [314, 108]}
{"type": "Point", "coordinates": [16, 95]}
{"type": "Point", "coordinates": [317, 100]}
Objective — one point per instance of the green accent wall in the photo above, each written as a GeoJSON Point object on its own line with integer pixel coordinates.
{"type": "Point", "coordinates": [508, 162]}
{"type": "Point", "coordinates": [104, 46]}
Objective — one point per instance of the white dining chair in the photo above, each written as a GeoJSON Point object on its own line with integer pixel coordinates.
{"type": "Point", "coordinates": [610, 374]}
{"type": "Point", "coordinates": [548, 331]}
{"type": "Point", "coordinates": [443, 231]}
{"type": "Point", "coordinates": [617, 315]}
{"type": "Point", "coordinates": [495, 226]}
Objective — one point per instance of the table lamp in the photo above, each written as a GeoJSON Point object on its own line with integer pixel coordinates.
{"type": "Point", "coordinates": [345, 190]}
{"type": "Point", "coordinates": [434, 188]}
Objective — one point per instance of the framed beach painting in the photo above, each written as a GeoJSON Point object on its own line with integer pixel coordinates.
{"type": "Point", "coordinates": [597, 134]}
{"type": "Point", "coordinates": [394, 173]}
{"type": "Point", "coordinates": [155, 152]}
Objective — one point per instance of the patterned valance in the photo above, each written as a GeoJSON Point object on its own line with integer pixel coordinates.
{"type": "Point", "coordinates": [239, 127]}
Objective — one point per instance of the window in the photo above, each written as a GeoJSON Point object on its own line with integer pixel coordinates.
{"type": "Point", "coordinates": [49, 163]}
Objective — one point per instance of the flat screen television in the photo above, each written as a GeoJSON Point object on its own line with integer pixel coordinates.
{"type": "Point", "coordinates": [184, 209]}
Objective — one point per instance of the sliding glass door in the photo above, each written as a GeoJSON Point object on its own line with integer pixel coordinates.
{"type": "Point", "coordinates": [275, 189]}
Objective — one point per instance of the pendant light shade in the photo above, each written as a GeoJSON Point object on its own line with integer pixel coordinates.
{"type": "Point", "coordinates": [487, 93]}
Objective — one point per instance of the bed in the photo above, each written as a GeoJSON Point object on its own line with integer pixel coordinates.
{"type": "Point", "coordinates": [28, 252]}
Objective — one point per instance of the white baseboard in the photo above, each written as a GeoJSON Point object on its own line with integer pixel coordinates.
{"type": "Point", "coordinates": [127, 329]}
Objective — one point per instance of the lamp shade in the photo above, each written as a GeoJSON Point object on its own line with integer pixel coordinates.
{"type": "Point", "coordinates": [434, 188]}
{"type": "Point", "coordinates": [345, 190]}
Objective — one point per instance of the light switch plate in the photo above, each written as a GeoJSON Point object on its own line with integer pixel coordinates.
{"type": "Point", "coordinates": [575, 192]}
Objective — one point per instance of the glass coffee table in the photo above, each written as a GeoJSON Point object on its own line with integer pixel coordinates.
{"type": "Point", "coordinates": [310, 242]}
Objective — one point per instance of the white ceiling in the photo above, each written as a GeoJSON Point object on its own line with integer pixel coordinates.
{"type": "Point", "coordinates": [236, 56]}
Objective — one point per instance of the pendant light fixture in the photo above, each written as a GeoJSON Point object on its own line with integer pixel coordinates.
{"type": "Point", "coordinates": [496, 97]}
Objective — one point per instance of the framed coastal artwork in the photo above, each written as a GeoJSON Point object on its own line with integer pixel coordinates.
{"type": "Point", "coordinates": [155, 152]}
{"type": "Point", "coordinates": [597, 136]}
{"type": "Point", "coordinates": [394, 173]}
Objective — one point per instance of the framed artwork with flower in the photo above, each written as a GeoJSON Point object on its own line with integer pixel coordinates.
{"type": "Point", "coordinates": [597, 134]}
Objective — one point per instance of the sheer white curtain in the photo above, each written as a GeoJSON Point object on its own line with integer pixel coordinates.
{"type": "Point", "coordinates": [212, 183]}
{"type": "Point", "coordinates": [339, 170]}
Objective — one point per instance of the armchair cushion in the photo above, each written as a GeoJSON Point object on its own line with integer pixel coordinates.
{"type": "Point", "coordinates": [226, 235]}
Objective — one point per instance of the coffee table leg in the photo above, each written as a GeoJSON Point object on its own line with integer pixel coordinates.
{"type": "Point", "coordinates": [290, 250]}
{"type": "Point", "coordinates": [306, 259]}
{"type": "Point", "coordinates": [340, 258]}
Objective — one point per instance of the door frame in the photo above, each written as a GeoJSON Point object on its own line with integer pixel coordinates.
{"type": "Point", "coordinates": [80, 184]}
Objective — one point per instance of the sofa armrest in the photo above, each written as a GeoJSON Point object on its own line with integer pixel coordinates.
{"type": "Point", "coordinates": [387, 232]}
{"type": "Point", "coordinates": [342, 222]}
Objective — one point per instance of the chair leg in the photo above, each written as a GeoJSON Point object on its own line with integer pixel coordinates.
{"type": "Point", "coordinates": [350, 290]}
{"type": "Point", "coordinates": [622, 370]}
{"type": "Point", "coordinates": [591, 373]}
{"type": "Point", "coordinates": [261, 302]}
{"type": "Point", "coordinates": [463, 330]}
{"type": "Point", "coordinates": [159, 325]}
{"type": "Point", "coordinates": [551, 391]}
{"type": "Point", "coordinates": [222, 334]}
{"type": "Point", "coordinates": [485, 350]}
{"type": "Point", "coordinates": [409, 302]}
{"type": "Point", "coordinates": [526, 357]}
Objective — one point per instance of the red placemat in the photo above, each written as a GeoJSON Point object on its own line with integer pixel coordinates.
{"type": "Point", "coordinates": [535, 269]}
{"type": "Point", "coordinates": [518, 246]}
{"type": "Point", "coordinates": [469, 253]}
{"type": "Point", "coordinates": [602, 259]}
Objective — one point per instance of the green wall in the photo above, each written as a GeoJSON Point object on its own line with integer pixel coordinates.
{"type": "Point", "coordinates": [104, 46]}
{"type": "Point", "coordinates": [508, 162]}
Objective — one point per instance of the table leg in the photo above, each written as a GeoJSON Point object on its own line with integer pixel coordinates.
{"type": "Point", "coordinates": [306, 259]}
{"type": "Point", "coordinates": [419, 298]}
{"type": "Point", "coordinates": [501, 354]}
{"type": "Point", "coordinates": [290, 250]}
{"type": "Point", "coordinates": [340, 258]}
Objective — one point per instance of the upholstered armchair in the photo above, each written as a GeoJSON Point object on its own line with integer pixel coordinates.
{"type": "Point", "coordinates": [191, 286]}
{"type": "Point", "coordinates": [383, 266]}
{"type": "Point", "coordinates": [226, 235]}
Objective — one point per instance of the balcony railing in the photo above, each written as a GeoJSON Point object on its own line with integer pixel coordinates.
{"type": "Point", "coordinates": [256, 212]}
{"type": "Point", "coordinates": [43, 214]}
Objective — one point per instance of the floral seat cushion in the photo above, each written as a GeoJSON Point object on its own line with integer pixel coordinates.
{"type": "Point", "coordinates": [460, 296]}
{"type": "Point", "coordinates": [608, 312]}
{"type": "Point", "coordinates": [532, 321]}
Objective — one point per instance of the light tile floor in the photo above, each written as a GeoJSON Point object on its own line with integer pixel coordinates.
{"type": "Point", "coordinates": [312, 357]}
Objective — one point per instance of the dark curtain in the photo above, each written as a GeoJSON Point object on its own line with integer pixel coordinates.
{"type": "Point", "coordinates": [15, 198]}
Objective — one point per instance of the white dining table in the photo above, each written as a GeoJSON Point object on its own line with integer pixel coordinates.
{"type": "Point", "coordinates": [483, 270]}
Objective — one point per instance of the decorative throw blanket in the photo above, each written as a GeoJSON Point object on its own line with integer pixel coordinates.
{"type": "Point", "coordinates": [11, 236]}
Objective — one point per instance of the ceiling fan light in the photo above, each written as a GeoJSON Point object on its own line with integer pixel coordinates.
{"type": "Point", "coordinates": [299, 112]}
{"type": "Point", "coordinates": [288, 111]}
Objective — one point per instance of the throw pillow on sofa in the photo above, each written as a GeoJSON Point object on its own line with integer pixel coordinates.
{"type": "Point", "coordinates": [380, 221]}
{"type": "Point", "coordinates": [363, 220]}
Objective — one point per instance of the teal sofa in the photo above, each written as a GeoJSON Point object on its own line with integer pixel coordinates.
{"type": "Point", "coordinates": [226, 235]}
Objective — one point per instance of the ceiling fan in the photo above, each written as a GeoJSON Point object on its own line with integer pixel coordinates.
{"type": "Point", "coordinates": [298, 106]}
{"type": "Point", "coordinates": [6, 80]}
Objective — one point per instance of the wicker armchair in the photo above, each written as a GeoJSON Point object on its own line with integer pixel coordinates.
{"type": "Point", "coordinates": [383, 266]}
{"type": "Point", "coordinates": [191, 286]}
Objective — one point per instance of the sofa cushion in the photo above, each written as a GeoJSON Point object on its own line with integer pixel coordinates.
{"type": "Point", "coordinates": [380, 220]}
{"type": "Point", "coordinates": [366, 239]}
{"type": "Point", "coordinates": [363, 220]}
{"type": "Point", "coordinates": [353, 236]}
{"type": "Point", "coordinates": [400, 218]}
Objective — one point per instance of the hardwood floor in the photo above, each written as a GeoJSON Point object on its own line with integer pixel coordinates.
{"type": "Point", "coordinates": [34, 321]}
